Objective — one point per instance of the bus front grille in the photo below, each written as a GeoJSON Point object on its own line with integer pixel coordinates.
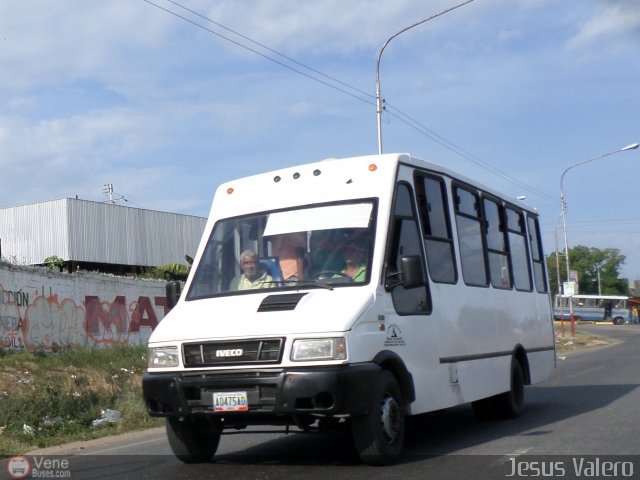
{"type": "Point", "coordinates": [211, 354]}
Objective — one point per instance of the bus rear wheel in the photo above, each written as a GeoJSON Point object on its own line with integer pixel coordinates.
{"type": "Point", "coordinates": [618, 321]}
{"type": "Point", "coordinates": [509, 404]}
{"type": "Point", "coordinates": [379, 435]}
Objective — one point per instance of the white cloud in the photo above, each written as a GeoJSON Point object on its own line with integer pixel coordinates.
{"type": "Point", "coordinates": [44, 42]}
{"type": "Point", "coordinates": [617, 19]}
{"type": "Point", "coordinates": [329, 26]}
{"type": "Point", "coordinates": [58, 156]}
{"type": "Point", "coordinates": [63, 139]}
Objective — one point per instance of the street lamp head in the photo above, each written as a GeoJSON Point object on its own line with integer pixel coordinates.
{"type": "Point", "coordinates": [633, 146]}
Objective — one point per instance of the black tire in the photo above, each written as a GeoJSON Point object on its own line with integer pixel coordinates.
{"type": "Point", "coordinates": [509, 404]}
{"type": "Point", "coordinates": [193, 440]}
{"type": "Point", "coordinates": [379, 435]}
{"type": "Point", "coordinates": [618, 321]}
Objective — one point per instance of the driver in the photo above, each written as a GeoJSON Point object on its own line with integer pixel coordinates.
{"type": "Point", "coordinates": [355, 262]}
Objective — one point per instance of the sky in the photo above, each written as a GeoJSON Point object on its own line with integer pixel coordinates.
{"type": "Point", "coordinates": [167, 99]}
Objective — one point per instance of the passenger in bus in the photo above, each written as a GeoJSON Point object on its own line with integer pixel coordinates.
{"type": "Point", "coordinates": [252, 277]}
{"type": "Point", "coordinates": [290, 249]}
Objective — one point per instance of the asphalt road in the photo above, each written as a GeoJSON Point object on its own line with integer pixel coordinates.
{"type": "Point", "coordinates": [586, 413]}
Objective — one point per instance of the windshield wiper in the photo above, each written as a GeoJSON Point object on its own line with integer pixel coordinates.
{"type": "Point", "coordinates": [299, 283]}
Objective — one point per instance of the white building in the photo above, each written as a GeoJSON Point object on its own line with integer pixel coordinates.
{"type": "Point", "coordinates": [92, 235]}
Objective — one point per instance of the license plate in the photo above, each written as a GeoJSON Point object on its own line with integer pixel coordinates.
{"type": "Point", "coordinates": [230, 402]}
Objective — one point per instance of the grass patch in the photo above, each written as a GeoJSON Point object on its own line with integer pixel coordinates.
{"type": "Point", "coordinates": [52, 398]}
{"type": "Point", "coordinates": [568, 344]}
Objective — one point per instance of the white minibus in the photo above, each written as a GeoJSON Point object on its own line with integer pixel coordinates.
{"type": "Point", "coordinates": [352, 293]}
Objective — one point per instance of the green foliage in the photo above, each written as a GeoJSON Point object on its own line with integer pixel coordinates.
{"type": "Point", "coordinates": [587, 261]}
{"type": "Point", "coordinates": [172, 271]}
{"type": "Point", "coordinates": [58, 395]}
{"type": "Point", "coordinates": [54, 262]}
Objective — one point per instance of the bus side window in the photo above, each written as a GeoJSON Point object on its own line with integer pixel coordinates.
{"type": "Point", "coordinates": [470, 238]}
{"type": "Point", "coordinates": [518, 249]}
{"type": "Point", "coordinates": [536, 253]}
{"type": "Point", "coordinates": [436, 228]}
{"type": "Point", "coordinates": [405, 242]}
{"type": "Point", "coordinates": [499, 268]}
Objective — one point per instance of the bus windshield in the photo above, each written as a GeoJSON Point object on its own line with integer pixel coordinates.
{"type": "Point", "coordinates": [323, 246]}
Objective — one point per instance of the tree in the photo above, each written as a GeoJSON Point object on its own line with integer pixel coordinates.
{"type": "Point", "coordinates": [586, 261]}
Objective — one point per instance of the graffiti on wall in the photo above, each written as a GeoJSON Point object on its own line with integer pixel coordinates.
{"type": "Point", "coordinates": [39, 321]}
{"type": "Point", "coordinates": [116, 321]}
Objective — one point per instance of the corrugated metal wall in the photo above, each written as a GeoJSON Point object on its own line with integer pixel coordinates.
{"type": "Point", "coordinates": [31, 233]}
{"type": "Point", "coordinates": [85, 231]}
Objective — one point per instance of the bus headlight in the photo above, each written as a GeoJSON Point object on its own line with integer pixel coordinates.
{"type": "Point", "coordinates": [163, 357]}
{"type": "Point", "coordinates": [310, 349]}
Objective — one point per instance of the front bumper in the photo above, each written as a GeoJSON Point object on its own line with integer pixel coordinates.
{"type": "Point", "coordinates": [330, 391]}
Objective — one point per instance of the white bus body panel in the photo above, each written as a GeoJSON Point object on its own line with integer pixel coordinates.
{"type": "Point", "coordinates": [318, 312]}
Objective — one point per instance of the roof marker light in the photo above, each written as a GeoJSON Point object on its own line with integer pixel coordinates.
{"type": "Point", "coordinates": [276, 178]}
{"type": "Point", "coordinates": [296, 176]}
{"type": "Point", "coordinates": [316, 172]}
{"type": "Point", "coordinates": [373, 167]}
{"type": "Point", "coordinates": [229, 190]}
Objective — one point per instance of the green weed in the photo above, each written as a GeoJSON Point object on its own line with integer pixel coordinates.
{"type": "Point", "coordinates": [52, 398]}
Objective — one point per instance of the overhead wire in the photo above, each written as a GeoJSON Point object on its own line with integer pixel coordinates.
{"type": "Point", "coordinates": [280, 54]}
{"type": "Point", "coordinates": [282, 64]}
{"type": "Point", "coordinates": [359, 94]}
{"type": "Point", "coordinates": [439, 139]}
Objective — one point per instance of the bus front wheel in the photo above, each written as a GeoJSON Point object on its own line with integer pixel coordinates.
{"type": "Point", "coordinates": [379, 435]}
{"type": "Point", "coordinates": [618, 321]}
{"type": "Point", "coordinates": [193, 440]}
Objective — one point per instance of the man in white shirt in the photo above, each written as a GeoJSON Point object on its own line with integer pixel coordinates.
{"type": "Point", "coordinates": [253, 277]}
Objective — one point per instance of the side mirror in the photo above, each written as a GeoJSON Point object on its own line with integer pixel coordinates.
{"type": "Point", "coordinates": [412, 272]}
{"type": "Point", "coordinates": [172, 290]}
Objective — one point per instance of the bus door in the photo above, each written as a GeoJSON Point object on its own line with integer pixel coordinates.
{"type": "Point", "coordinates": [410, 331]}
{"type": "Point", "coordinates": [404, 246]}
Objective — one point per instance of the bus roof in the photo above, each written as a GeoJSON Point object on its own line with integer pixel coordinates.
{"type": "Point", "coordinates": [326, 180]}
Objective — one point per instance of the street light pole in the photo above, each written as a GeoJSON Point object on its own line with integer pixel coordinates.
{"type": "Point", "coordinates": [563, 210]}
{"type": "Point", "coordinates": [379, 99]}
{"type": "Point", "coordinates": [555, 237]}
{"type": "Point", "coordinates": [558, 302]}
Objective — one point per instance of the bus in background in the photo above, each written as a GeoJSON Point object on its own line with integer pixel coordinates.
{"type": "Point", "coordinates": [594, 308]}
